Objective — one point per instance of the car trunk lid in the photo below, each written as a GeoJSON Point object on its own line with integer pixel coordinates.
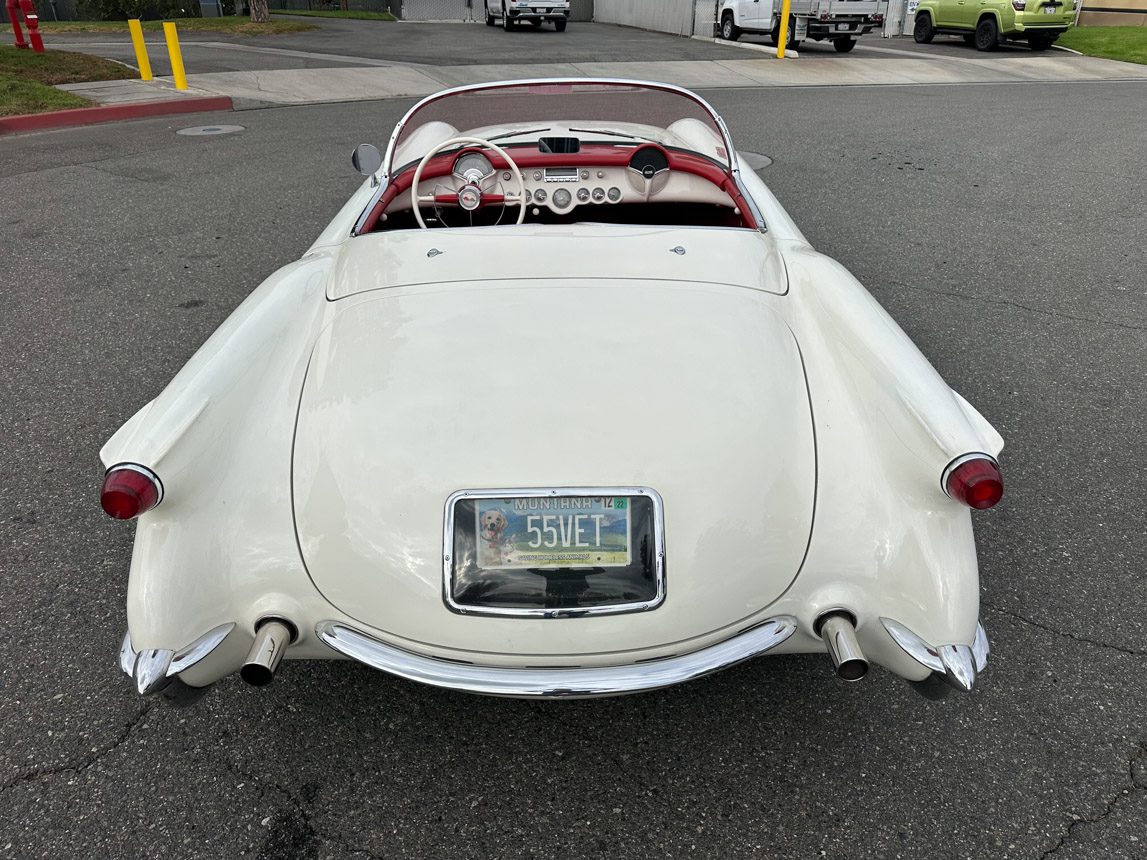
{"type": "Point", "coordinates": [696, 391]}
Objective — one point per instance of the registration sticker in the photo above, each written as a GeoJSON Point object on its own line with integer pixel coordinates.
{"type": "Point", "coordinates": [553, 532]}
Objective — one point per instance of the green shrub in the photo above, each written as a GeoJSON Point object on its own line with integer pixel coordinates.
{"type": "Point", "coordinates": [146, 10]}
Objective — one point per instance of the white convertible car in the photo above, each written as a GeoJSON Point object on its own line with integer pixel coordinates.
{"type": "Point", "coordinates": [561, 403]}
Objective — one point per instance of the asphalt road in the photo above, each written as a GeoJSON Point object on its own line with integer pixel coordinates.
{"type": "Point", "coordinates": [338, 43]}
{"type": "Point", "coordinates": [1001, 226]}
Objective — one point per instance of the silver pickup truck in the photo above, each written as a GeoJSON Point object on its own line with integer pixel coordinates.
{"type": "Point", "coordinates": [535, 12]}
{"type": "Point", "coordinates": [839, 21]}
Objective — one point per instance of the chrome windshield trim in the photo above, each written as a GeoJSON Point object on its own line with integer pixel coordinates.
{"type": "Point", "coordinates": [388, 161]}
{"type": "Point", "coordinates": [555, 683]}
{"type": "Point", "coordinates": [541, 492]}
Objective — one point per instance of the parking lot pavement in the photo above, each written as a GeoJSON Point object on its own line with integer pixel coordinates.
{"type": "Point", "coordinates": [367, 60]}
{"type": "Point", "coordinates": [1021, 281]}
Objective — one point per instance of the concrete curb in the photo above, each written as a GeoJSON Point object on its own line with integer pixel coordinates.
{"type": "Point", "coordinates": [111, 113]}
{"type": "Point", "coordinates": [748, 46]}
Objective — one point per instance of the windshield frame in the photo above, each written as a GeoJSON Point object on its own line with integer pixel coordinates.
{"type": "Point", "coordinates": [385, 172]}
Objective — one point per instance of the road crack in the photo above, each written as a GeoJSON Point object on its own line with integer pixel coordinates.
{"type": "Point", "coordinates": [1138, 783]}
{"type": "Point", "coordinates": [44, 772]}
{"type": "Point", "coordinates": [1131, 652]}
{"type": "Point", "coordinates": [997, 301]}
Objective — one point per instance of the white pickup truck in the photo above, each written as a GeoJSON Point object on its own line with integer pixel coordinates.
{"type": "Point", "coordinates": [840, 21]}
{"type": "Point", "coordinates": [534, 11]}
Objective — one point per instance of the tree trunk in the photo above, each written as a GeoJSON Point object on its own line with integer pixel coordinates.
{"type": "Point", "coordinates": [259, 13]}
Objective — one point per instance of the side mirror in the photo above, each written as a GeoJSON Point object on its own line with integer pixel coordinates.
{"type": "Point", "coordinates": [367, 160]}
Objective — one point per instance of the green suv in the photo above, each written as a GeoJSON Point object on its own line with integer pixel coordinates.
{"type": "Point", "coordinates": [987, 23]}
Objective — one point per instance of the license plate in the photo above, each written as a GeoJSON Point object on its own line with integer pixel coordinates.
{"type": "Point", "coordinates": [844, 26]}
{"type": "Point", "coordinates": [541, 532]}
{"type": "Point", "coordinates": [1049, 10]}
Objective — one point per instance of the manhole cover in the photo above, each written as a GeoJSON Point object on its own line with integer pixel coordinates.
{"type": "Point", "coordinates": [755, 160]}
{"type": "Point", "coordinates": [202, 130]}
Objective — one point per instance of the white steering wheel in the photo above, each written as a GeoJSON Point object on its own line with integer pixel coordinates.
{"type": "Point", "coordinates": [469, 195]}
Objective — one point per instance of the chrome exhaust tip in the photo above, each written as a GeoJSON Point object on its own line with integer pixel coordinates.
{"type": "Point", "coordinates": [838, 631]}
{"type": "Point", "coordinates": [272, 636]}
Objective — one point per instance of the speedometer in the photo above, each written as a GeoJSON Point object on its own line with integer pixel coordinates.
{"type": "Point", "coordinates": [472, 167]}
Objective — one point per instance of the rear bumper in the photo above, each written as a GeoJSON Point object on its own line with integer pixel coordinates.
{"type": "Point", "coordinates": [545, 15]}
{"type": "Point", "coordinates": [830, 29]}
{"type": "Point", "coordinates": [556, 682]}
{"type": "Point", "coordinates": [1022, 29]}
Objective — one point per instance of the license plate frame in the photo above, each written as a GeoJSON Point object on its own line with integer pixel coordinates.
{"type": "Point", "coordinates": [458, 518]}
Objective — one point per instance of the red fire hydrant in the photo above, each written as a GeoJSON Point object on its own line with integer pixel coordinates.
{"type": "Point", "coordinates": [15, 8]}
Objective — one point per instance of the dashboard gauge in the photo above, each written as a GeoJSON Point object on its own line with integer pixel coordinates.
{"type": "Point", "coordinates": [562, 198]}
{"type": "Point", "coordinates": [473, 167]}
{"type": "Point", "coordinates": [540, 195]}
{"type": "Point", "coordinates": [614, 194]}
{"type": "Point", "coordinates": [583, 195]}
{"type": "Point", "coordinates": [598, 195]}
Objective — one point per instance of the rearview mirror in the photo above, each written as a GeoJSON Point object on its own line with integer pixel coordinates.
{"type": "Point", "coordinates": [367, 160]}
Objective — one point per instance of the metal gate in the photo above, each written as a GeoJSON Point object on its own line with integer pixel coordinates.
{"type": "Point", "coordinates": [441, 10]}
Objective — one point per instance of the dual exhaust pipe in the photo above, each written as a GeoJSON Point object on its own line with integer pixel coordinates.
{"type": "Point", "coordinates": [838, 631]}
{"type": "Point", "coordinates": [273, 635]}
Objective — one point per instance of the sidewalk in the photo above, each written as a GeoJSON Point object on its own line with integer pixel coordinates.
{"type": "Point", "coordinates": [365, 79]}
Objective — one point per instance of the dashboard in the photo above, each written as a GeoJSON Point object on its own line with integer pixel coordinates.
{"type": "Point", "coordinates": [562, 188]}
{"type": "Point", "coordinates": [565, 179]}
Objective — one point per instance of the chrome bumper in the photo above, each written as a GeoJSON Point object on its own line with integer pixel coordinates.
{"type": "Point", "coordinates": [558, 682]}
{"type": "Point", "coordinates": [958, 665]}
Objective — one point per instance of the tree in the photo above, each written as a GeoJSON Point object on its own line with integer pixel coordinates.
{"type": "Point", "coordinates": [259, 12]}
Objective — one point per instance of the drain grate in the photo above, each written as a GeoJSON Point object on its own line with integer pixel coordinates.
{"type": "Point", "coordinates": [205, 130]}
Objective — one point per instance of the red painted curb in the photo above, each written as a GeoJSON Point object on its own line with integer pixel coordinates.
{"type": "Point", "coordinates": [111, 113]}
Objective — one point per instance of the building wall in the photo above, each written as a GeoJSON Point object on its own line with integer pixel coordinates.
{"type": "Point", "coordinates": [668, 16]}
{"type": "Point", "coordinates": [1113, 13]}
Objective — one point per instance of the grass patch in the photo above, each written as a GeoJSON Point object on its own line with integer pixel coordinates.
{"type": "Point", "coordinates": [237, 25]}
{"type": "Point", "coordinates": [27, 79]}
{"type": "Point", "coordinates": [20, 96]}
{"type": "Point", "coordinates": [60, 67]}
{"type": "Point", "coordinates": [335, 13]}
{"type": "Point", "coordinates": [1113, 43]}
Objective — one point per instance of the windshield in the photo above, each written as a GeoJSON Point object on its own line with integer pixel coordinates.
{"type": "Point", "coordinates": [618, 112]}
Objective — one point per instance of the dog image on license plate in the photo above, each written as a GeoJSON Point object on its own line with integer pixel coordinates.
{"type": "Point", "coordinates": [553, 532]}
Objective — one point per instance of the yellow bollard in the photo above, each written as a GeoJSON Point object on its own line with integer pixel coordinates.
{"type": "Point", "coordinates": [140, 49]}
{"type": "Point", "coordinates": [783, 34]}
{"type": "Point", "coordinates": [177, 58]}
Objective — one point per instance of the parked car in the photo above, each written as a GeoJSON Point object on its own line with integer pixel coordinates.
{"type": "Point", "coordinates": [535, 12]}
{"type": "Point", "coordinates": [987, 24]}
{"type": "Point", "coordinates": [839, 21]}
{"type": "Point", "coordinates": [561, 403]}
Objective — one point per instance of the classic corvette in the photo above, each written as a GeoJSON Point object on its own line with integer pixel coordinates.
{"type": "Point", "coordinates": [561, 403]}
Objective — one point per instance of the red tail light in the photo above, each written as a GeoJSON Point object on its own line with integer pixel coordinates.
{"type": "Point", "coordinates": [130, 490]}
{"type": "Point", "coordinates": [975, 480]}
